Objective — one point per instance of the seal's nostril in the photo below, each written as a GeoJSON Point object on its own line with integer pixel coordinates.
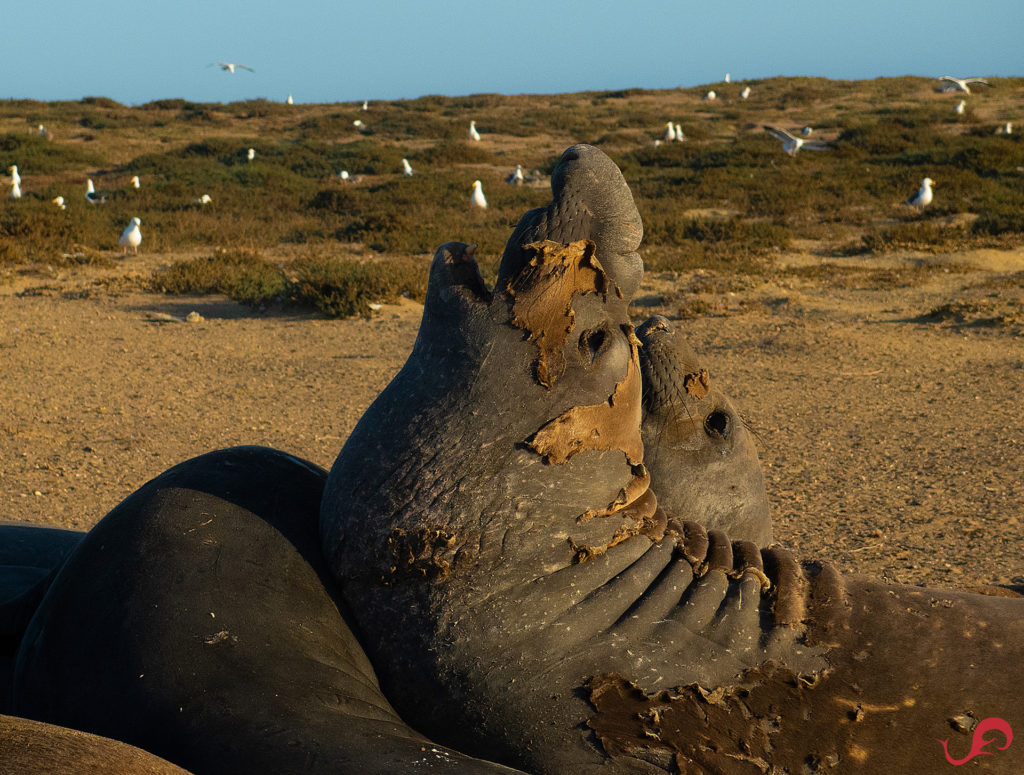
{"type": "Point", "coordinates": [719, 424]}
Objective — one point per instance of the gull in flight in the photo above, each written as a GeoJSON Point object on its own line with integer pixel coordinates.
{"type": "Point", "coordinates": [960, 107]}
{"type": "Point", "coordinates": [15, 177]}
{"type": "Point", "coordinates": [923, 197]}
{"type": "Point", "coordinates": [792, 145]}
{"type": "Point", "coordinates": [135, 182]}
{"type": "Point", "coordinates": [478, 196]}
{"type": "Point", "coordinates": [745, 93]}
{"type": "Point", "coordinates": [407, 168]}
{"type": "Point", "coordinates": [250, 154]}
{"type": "Point", "coordinates": [131, 237]}
{"type": "Point", "coordinates": [59, 201]}
{"type": "Point", "coordinates": [961, 84]}
{"type": "Point", "coordinates": [90, 193]}
{"type": "Point", "coordinates": [670, 132]}
{"type": "Point", "coordinates": [231, 66]}
{"type": "Point", "coordinates": [473, 134]}
{"type": "Point", "coordinates": [516, 178]}
{"type": "Point", "coordinates": [16, 191]}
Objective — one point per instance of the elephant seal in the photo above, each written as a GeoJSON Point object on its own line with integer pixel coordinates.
{"type": "Point", "coordinates": [522, 595]}
{"type": "Point", "coordinates": [34, 748]}
{"type": "Point", "coordinates": [697, 448]}
{"type": "Point", "coordinates": [199, 622]}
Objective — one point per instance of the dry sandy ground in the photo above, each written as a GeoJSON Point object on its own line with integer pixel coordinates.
{"type": "Point", "coordinates": [891, 446]}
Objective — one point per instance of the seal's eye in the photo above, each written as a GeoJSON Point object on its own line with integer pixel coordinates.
{"type": "Point", "coordinates": [591, 342]}
{"type": "Point", "coordinates": [718, 424]}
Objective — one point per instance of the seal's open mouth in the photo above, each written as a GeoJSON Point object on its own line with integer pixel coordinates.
{"type": "Point", "coordinates": [465, 272]}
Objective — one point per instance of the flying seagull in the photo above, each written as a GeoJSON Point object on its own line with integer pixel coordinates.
{"type": "Point", "coordinates": [478, 196]}
{"type": "Point", "coordinates": [90, 193]}
{"type": "Point", "coordinates": [473, 134]}
{"type": "Point", "coordinates": [230, 67]}
{"type": "Point", "coordinates": [407, 168]}
{"type": "Point", "coordinates": [131, 237]}
{"type": "Point", "coordinates": [961, 84]}
{"type": "Point", "coordinates": [791, 144]}
{"type": "Point", "coordinates": [923, 197]}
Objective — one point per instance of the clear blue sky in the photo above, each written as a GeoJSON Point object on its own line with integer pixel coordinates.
{"type": "Point", "coordinates": [328, 51]}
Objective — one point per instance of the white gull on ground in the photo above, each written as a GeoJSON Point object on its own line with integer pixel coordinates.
{"type": "Point", "coordinates": [923, 197]}
{"type": "Point", "coordinates": [205, 199]}
{"type": "Point", "coordinates": [516, 178]}
{"type": "Point", "coordinates": [250, 154]}
{"type": "Point", "coordinates": [91, 194]}
{"type": "Point", "coordinates": [135, 182]}
{"type": "Point", "coordinates": [42, 131]}
{"type": "Point", "coordinates": [680, 137]}
{"type": "Point", "coordinates": [745, 93]}
{"type": "Point", "coordinates": [711, 95]}
{"type": "Point", "coordinates": [728, 77]}
{"type": "Point", "coordinates": [407, 169]}
{"type": "Point", "coordinates": [806, 131]}
{"type": "Point", "coordinates": [131, 237]}
{"type": "Point", "coordinates": [960, 107]}
{"type": "Point", "coordinates": [343, 175]}
{"type": "Point", "coordinates": [59, 201]}
{"type": "Point", "coordinates": [358, 124]}
{"type": "Point", "coordinates": [478, 195]}
{"type": "Point", "coordinates": [15, 177]}
{"type": "Point", "coordinates": [670, 132]}
{"type": "Point", "coordinates": [290, 101]}
{"type": "Point", "coordinates": [15, 190]}
{"type": "Point", "coordinates": [473, 134]}
{"type": "Point", "coordinates": [961, 84]}
{"type": "Point", "coordinates": [792, 145]}
{"type": "Point", "coordinates": [1005, 129]}
{"type": "Point", "coordinates": [366, 105]}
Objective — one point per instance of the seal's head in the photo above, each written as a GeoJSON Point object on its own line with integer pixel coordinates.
{"type": "Point", "coordinates": [701, 455]}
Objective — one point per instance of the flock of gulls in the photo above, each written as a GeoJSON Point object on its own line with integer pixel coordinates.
{"type": "Point", "coordinates": [792, 144]}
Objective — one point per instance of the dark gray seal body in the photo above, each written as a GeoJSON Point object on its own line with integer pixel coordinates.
{"type": "Point", "coordinates": [522, 595]}
{"type": "Point", "coordinates": [198, 621]}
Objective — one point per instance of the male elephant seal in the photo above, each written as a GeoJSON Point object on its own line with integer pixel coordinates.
{"type": "Point", "coordinates": [522, 595]}
{"type": "Point", "coordinates": [198, 621]}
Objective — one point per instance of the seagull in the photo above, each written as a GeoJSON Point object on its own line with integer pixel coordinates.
{"type": "Point", "coordinates": [358, 124]}
{"type": "Point", "coordinates": [250, 154]}
{"type": "Point", "coordinates": [42, 131]}
{"type": "Point", "coordinates": [711, 95]}
{"type": "Point", "coordinates": [473, 134]}
{"type": "Point", "coordinates": [135, 182]}
{"type": "Point", "coordinates": [407, 168]}
{"type": "Point", "coordinates": [791, 144]}
{"type": "Point", "coordinates": [90, 193]}
{"type": "Point", "coordinates": [960, 107]}
{"type": "Point", "coordinates": [290, 101]}
{"type": "Point", "coordinates": [806, 131]}
{"type": "Point", "coordinates": [131, 237]}
{"type": "Point", "coordinates": [15, 177]}
{"type": "Point", "coordinates": [923, 197]}
{"type": "Point", "coordinates": [59, 201]}
{"type": "Point", "coordinates": [727, 77]}
{"type": "Point", "coordinates": [205, 199]}
{"type": "Point", "coordinates": [343, 175]}
{"type": "Point", "coordinates": [961, 84]}
{"type": "Point", "coordinates": [230, 67]}
{"type": "Point", "coordinates": [1005, 129]}
{"type": "Point", "coordinates": [670, 132]}
{"type": "Point", "coordinates": [680, 137]}
{"type": "Point", "coordinates": [745, 93]}
{"type": "Point", "coordinates": [366, 105]}
{"type": "Point", "coordinates": [478, 196]}
{"type": "Point", "coordinates": [16, 191]}
{"type": "Point", "coordinates": [516, 178]}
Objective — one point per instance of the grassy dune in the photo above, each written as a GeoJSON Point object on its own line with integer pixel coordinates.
{"type": "Point", "coordinates": [284, 226]}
